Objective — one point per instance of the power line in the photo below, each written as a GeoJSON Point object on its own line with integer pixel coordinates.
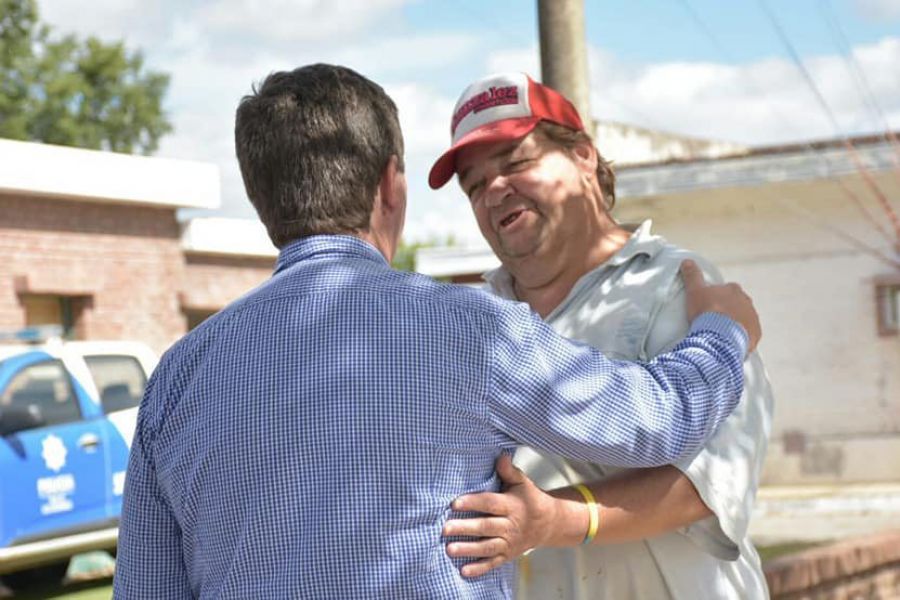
{"type": "Point", "coordinates": [860, 80]}
{"type": "Point", "coordinates": [815, 219]}
{"type": "Point", "coordinates": [723, 51]}
{"type": "Point", "coordinates": [810, 148]}
{"type": "Point", "coordinates": [854, 155]}
{"type": "Point", "coordinates": [798, 62]}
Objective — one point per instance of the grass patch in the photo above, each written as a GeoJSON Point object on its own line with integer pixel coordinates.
{"type": "Point", "coordinates": [767, 553]}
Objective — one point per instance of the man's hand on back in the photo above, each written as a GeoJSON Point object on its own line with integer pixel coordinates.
{"type": "Point", "coordinates": [521, 517]}
{"type": "Point", "coordinates": [728, 299]}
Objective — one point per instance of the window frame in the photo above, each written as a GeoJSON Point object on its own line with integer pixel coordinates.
{"type": "Point", "coordinates": [73, 394]}
{"type": "Point", "coordinates": [887, 304]}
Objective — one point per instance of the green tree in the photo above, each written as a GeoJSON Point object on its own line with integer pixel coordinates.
{"type": "Point", "coordinates": [405, 257]}
{"type": "Point", "coordinates": [75, 92]}
{"type": "Point", "coordinates": [18, 27]}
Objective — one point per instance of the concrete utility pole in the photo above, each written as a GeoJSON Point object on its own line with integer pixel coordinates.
{"type": "Point", "coordinates": [564, 54]}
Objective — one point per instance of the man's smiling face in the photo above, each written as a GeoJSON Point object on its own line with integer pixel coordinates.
{"type": "Point", "coordinates": [529, 196]}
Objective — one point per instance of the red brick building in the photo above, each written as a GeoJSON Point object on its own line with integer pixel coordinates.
{"type": "Point", "coordinates": [91, 241]}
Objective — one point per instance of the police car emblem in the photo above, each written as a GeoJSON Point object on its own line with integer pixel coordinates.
{"type": "Point", "coordinates": [54, 453]}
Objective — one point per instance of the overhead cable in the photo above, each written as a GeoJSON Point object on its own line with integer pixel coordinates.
{"type": "Point", "coordinates": [851, 149]}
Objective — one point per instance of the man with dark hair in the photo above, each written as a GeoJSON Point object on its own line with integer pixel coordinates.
{"type": "Point", "coordinates": [542, 194]}
{"type": "Point", "coordinates": [307, 440]}
{"type": "Point", "coordinates": [312, 150]}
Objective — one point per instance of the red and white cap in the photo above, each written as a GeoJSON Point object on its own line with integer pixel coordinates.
{"type": "Point", "coordinates": [498, 108]}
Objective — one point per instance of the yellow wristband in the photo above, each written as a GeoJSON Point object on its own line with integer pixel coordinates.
{"type": "Point", "coordinates": [593, 512]}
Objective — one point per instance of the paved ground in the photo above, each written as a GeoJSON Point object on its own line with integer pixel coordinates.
{"type": "Point", "coordinates": [824, 513]}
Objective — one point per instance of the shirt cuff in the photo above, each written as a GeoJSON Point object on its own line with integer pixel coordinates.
{"type": "Point", "coordinates": [725, 326]}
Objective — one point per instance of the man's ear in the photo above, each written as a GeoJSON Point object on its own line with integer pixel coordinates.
{"type": "Point", "coordinates": [392, 188]}
{"type": "Point", "coordinates": [585, 155]}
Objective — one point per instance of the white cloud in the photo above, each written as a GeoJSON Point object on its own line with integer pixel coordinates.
{"type": "Point", "coordinates": [293, 20]}
{"type": "Point", "coordinates": [424, 117]}
{"type": "Point", "coordinates": [758, 103]}
{"type": "Point", "coordinates": [762, 102]}
{"type": "Point", "coordinates": [205, 93]}
{"type": "Point", "coordinates": [214, 61]}
{"type": "Point", "coordinates": [400, 55]}
{"type": "Point", "coordinates": [447, 214]}
{"type": "Point", "coordinates": [214, 52]}
{"type": "Point", "coordinates": [421, 109]}
{"type": "Point", "coordinates": [204, 131]}
{"type": "Point", "coordinates": [525, 60]}
{"type": "Point", "coordinates": [139, 23]}
{"type": "Point", "coordinates": [234, 30]}
{"type": "Point", "coordinates": [879, 9]}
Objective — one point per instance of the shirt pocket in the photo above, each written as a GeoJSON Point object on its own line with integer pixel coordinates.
{"type": "Point", "coordinates": [619, 333]}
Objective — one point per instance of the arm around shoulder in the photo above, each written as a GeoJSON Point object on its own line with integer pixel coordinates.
{"type": "Point", "coordinates": [568, 399]}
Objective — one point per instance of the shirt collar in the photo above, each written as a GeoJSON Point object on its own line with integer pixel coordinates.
{"type": "Point", "coordinates": [500, 283]}
{"type": "Point", "coordinates": [332, 247]}
{"type": "Point", "coordinates": [641, 241]}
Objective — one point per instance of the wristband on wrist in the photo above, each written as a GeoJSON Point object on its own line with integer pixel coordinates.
{"type": "Point", "coordinates": [593, 512]}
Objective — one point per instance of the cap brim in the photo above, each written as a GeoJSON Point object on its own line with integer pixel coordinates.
{"type": "Point", "coordinates": [499, 131]}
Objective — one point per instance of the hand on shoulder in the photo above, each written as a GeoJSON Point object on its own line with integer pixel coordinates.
{"type": "Point", "coordinates": [728, 299]}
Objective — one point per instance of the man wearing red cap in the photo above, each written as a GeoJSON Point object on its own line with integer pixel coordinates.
{"type": "Point", "coordinates": [542, 196]}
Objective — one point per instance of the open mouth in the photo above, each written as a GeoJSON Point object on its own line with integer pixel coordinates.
{"type": "Point", "coordinates": [510, 219]}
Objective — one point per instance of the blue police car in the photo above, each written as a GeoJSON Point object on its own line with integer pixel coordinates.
{"type": "Point", "coordinates": [67, 416]}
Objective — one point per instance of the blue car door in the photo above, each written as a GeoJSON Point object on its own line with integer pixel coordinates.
{"type": "Point", "coordinates": [57, 482]}
{"type": "Point", "coordinates": [120, 381]}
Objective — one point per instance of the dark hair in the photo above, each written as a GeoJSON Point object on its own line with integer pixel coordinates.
{"type": "Point", "coordinates": [313, 144]}
{"type": "Point", "coordinates": [568, 138]}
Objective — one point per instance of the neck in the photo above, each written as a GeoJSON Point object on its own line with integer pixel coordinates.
{"type": "Point", "coordinates": [544, 282]}
{"type": "Point", "coordinates": [383, 242]}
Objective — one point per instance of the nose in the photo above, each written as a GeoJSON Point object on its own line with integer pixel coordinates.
{"type": "Point", "coordinates": [496, 191]}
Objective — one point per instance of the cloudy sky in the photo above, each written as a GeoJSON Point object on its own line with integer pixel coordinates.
{"type": "Point", "coordinates": [652, 63]}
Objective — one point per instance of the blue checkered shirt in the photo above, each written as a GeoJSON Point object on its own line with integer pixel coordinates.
{"type": "Point", "coordinates": [306, 442]}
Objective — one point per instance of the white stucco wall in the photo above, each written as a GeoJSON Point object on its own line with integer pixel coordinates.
{"type": "Point", "coordinates": [837, 382]}
{"type": "Point", "coordinates": [629, 145]}
{"type": "Point", "coordinates": [45, 170]}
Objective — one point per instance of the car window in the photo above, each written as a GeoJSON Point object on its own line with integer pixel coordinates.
{"type": "Point", "coordinates": [120, 381]}
{"type": "Point", "coordinates": [44, 387]}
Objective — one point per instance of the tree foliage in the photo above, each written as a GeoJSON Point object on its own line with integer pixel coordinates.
{"type": "Point", "coordinates": [75, 92]}
{"type": "Point", "coordinates": [405, 257]}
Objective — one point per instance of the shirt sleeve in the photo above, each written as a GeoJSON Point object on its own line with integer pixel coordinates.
{"type": "Point", "coordinates": [726, 469]}
{"type": "Point", "coordinates": [149, 559]}
{"type": "Point", "coordinates": [567, 398]}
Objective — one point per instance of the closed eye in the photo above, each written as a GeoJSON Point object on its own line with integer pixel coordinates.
{"type": "Point", "coordinates": [517, 165]}
{"type": "Point", "coordinates": [474, 189]}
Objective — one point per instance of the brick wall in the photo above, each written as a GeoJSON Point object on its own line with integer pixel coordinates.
{"type": "Point", "coordinates": [123, 263]}
{"type": "Point", "coordinates": [212, 281]}
{"type": "Point", "coordinates": [859, 569]}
